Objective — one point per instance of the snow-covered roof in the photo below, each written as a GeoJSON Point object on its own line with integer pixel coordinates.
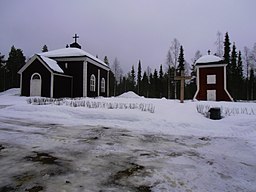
{"type": "Point", "coordinates": [209, 59]}
{"type": "Point", "coordinates": [52, 64]}
{"type": "Point", "coordinates": [70, 52]}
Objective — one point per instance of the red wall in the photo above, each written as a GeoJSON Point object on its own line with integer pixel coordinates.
{"type": "Point", "coordinates": [221, 94]}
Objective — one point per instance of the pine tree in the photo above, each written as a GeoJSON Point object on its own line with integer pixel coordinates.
{"type": "Point", "coordinates": [233, 72]}
{"type": "Point", "coordinates": [139, 79]}
{"type": "Point", "coordinates": [133, 79]}
{"type": "Point", "coordinates": [240, 89]}
{"type": "Point", "coordinates": [155, 85]}
{"type": "Point", "coordinates": [45, 48]}
{"type": "Point", "coordinates": [161, 81]}
{"type": "Point", "coordinates": [15, 61]}
{"type": "Point", "coordinates": [145, 85]}
{"type": "Point", "coordinates": [252, 84]}
{"type": "Point", "coordinates": [181, 60]}
{"type": "Point", "coordinates": [106, 60]}
{"type": "Point", "coordinates": [227, 49]}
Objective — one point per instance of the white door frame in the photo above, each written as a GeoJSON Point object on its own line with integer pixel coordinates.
{"type": "Point", "coordinates": [35, 85]}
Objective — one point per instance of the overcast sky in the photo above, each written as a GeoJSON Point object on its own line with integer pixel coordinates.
{"type": "Point", "coordinates": [130, 30]}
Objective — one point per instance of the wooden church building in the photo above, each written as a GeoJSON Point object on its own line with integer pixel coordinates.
{"type": "Point", "coordinates": [211, 79]}
{"type": "Point", "coordinates": [67, 72]}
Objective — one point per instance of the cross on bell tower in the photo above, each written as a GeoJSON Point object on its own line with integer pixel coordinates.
{"type": "Point", "coordinates": [75, 44]}
{"type": "Point", "coordinates": [76, 37]}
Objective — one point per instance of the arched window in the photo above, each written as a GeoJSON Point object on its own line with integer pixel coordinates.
{"type": "Point", "coordinates": [36, 76]}
{"type": "Point", "coordinates": [92, 83]}
{"type": "Point", "coordinates": [102, 85]}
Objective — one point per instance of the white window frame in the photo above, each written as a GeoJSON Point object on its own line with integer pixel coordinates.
{"type": "Point", "coordinates": [211, 79]}
{"type": "Point", "coordinates": [103, 85]}
{"type": "Point", "coordinates": [92, 83]}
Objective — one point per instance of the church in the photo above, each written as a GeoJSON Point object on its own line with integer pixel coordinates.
{"type": "Point", "coordinates": [67, 72]}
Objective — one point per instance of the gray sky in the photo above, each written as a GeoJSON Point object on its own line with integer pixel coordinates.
{"type": "Point", "coordinates": [127, 29]}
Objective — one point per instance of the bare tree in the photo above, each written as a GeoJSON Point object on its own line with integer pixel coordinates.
{"type": "Point", "coordinates": [219, 45]}
{"type": "Point", "coordinates": [117, 71]}
{"type": "Point", "coordinates": [172, 62]}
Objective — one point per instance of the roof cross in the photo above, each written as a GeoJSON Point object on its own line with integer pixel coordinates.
{"type": "Point", "coordinates": [76, 37]}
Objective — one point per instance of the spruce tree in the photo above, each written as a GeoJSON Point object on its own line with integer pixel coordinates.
{"type": "Point", "coordinates": [161, 81]}
{"type": "Point", "coordinates": [233, 72]}
{"type": "Point", "coordinates": [239, 88]}
{"type": "Point", "coordinates": [227, 49]}
{"type": "Point", "coordinates": [155, 85]}
{"type": "Point", "coordinates": [252, 84]}
{"type": "Point", "coordinates": [45, 48]}
{"type": "Point", "coordinates": [144, 84]}
{"type": "Point", "coordinates": [15, 61]}
{"type": "Point", "coordinates": [132, 79]}
{"type": "Point", "coordinates": [139, 79]}
{"type": "Point", "coordinates": [181, 60]}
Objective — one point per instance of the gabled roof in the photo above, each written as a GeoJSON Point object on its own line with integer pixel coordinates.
{"type": "Point", "coordinates": [71, 52]}
{"type": "Point", "coordinates": [209, 59]}
{"type": "Point", "coordinates": [50, 64]}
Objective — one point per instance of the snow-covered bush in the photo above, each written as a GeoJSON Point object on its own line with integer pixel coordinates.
{"type": "Point", "coordinates": [226, 111]}
{"type": "Point", "coordinates": [91, 103]}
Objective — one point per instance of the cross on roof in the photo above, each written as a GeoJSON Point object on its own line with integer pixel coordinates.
{"type": "Point", "coordinates": [182, 79]}
{"type": "Point", "coordinates": [76, 37]}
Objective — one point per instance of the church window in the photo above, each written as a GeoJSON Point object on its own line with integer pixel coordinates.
{"type": "Point", "coordinates": [102, 85]}
{"type": "Point", "coordinates": [92, 83]}
{"type": "Point", "coordinates": [66, 65]}
{"type": "Point", "coordinates": [211, 79]}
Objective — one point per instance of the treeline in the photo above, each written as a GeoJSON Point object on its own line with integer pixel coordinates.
{"type": "Point", "coordinates": [158, 83]}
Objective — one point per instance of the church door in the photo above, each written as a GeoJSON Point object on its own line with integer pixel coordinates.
{"type": "Point", "coordinates": [211, 95]}
{"type": "Point", "coordinates": [35, 85]}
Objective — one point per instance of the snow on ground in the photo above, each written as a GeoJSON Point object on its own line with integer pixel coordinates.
{"type": "Point", "coordinates": [63, 148]}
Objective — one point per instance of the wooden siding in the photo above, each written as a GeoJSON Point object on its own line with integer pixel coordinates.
{"type": "Point", "coordinates": [221, 94]}
{"type": "Point", "coordinates": [74, 69]}
{"type": "Point", "coordinates": [62, 86]}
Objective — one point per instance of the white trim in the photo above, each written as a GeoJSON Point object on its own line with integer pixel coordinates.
{"type": "Point", "coordinates": [108, 84]}
{"type": "Point", "coordinates": [52, 85]}
{"type": "Point", "coordinates": [209, 65]}
{"type": "Point", "coordinates": [98, 82]}
{"type": "Point", "coordinates": [85, 79]}
{"type": "Point", "coordinates": [225, 84]}
{"type": "Point", "coordinates": [20, 83]}
{"type": "Point", "coordinates": [197, 84]}
{"type": "Point", "coordinates": [68, 58]}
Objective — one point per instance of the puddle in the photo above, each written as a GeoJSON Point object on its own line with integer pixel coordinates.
{"type": "Point", "coordinates": [43, 158]}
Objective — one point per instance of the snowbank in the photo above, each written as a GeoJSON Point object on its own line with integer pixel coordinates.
{"type": "Point", "coordinates": [129, 94]}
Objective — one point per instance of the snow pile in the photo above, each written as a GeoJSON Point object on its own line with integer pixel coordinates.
{"type": "Point", "coordinates": [11, 92]}
{"type": "Point", "coordinates": [129, 94]}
